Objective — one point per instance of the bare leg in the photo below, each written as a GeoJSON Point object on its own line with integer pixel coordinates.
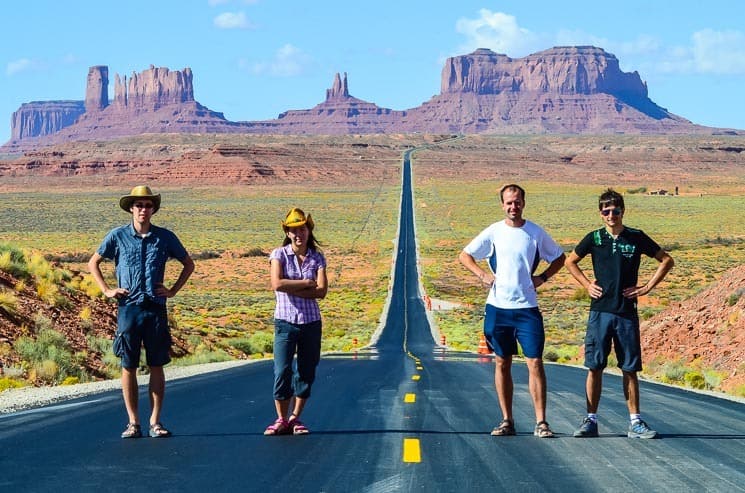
{"type": "Point", "coordinates": [157, 392]}
{"type": "Point", "coordinates": [593, 389]}
{"type": "Point", "coordinates": [503, 383]}
{"type": "Point", "coordinates": [130, 393]}
{"type": "Point", "coordinates": [299, 406]}
{"type": "Point", "coordinates": [631, 391]}
{"type": "Point", "coordinates": [537, 385]}
{"type": "Point", "coordinates": [282, 407]}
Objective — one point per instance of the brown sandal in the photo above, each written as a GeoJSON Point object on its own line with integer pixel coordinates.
{"type": "Point", "coordinates": [505, 428]}
{"type": "Point", "coordinates": [542, 430]}
{"type": "Point", "coordinates": [132, 430]}
{"type": "Point", "coordinates": [157, 430]}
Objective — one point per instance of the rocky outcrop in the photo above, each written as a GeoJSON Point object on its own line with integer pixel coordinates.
{"type": "Point", "coordinates": [41, 118]}
{"type": "Point", "coordinates": [154, 88]}
{"type": "Point", "coordinates": [566, 70]}
{"type": "Point", "coordinates": [97, 88]}
{"type": "Point", "coordinates": [569, 89]}
{"type": "Point", "coordinates": [339, 90]}
{"type": "Point", "coordinates": [339, 114]}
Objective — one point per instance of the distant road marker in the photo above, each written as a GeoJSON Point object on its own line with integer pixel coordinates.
{"type": "Point", "coordinates": [415, 377]}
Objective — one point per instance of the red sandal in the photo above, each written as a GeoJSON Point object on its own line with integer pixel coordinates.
{"type": "Point", "coordinates": [297, 427]}
{"type": "Point", "coordinates": [279, 427]}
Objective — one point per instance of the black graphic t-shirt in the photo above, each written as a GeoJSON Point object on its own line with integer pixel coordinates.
{"type": "Point", "coordinates": [615, 262]}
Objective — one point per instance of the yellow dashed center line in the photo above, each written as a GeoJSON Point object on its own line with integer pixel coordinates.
{"type": "Point", "coordinates": [415, 377]}
{"type": "Point", "coordinates": [410, 398]}
{"type": "Point", "coordinates": [411, 450]}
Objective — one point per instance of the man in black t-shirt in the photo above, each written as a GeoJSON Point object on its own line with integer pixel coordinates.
{"type": "Point", "coordinates": [616, 252]}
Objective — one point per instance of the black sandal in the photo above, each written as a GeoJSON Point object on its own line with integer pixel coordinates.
{"type": "Point", "coordinates": [132, 430]}
{"type": "Point", "coordinates": [505, 428]}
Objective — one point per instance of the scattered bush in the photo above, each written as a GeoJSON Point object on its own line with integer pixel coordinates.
{"type": "Point", "coordinates": [637, 190]}
{"type": "Point", "coordinates": [10, 383]}
{"type": "Point", "coordinates": [735, 297]}
{"type": "Point", "coordinates": [8, 302]}
{"type": "Point", "coordinates": [49, 355]}
{"type": "Point", "coordinates": [254, 252]}
{"type": "Point", "coordinates": [695, 379]}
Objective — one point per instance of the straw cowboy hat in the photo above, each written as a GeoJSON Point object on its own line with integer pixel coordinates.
{"type": "Point", "coordinates": [295, 218]}
{"type": "Point", "coordinates": [138, 193]}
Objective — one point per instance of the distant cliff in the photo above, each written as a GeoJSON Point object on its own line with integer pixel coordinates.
{"type": "Point", "coordinates": [567, 89]}
{"type": "Point", "coordinates": [39, 118]}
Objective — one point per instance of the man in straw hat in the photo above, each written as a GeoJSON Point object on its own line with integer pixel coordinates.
{"type": "Point", "coordinates": [140, 251]}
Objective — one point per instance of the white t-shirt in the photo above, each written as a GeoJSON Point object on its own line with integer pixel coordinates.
{"type": "Point", "coordinates": [516, 253]}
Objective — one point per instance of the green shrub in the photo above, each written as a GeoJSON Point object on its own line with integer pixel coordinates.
{"type": "Point", "coordinates": [695, 379]}
{"type": "Point", "coordinates": [673, 372]}
{"type": "Point", "coordinates": [8, 302]}
{"type": "Point", "coordinates": [13, 261]}
{"type": "Point", "coordinates": [10, 383]}
{"type": "Point", "coordinates": [735, 297]}
{"type": "Point", "coordinates": [49, 355]}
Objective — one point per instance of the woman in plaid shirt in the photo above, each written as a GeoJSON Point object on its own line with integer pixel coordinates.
{"type": "Point", "coordinates": [298, 276]}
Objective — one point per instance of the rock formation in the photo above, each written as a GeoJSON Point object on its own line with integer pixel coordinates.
{"type": "Point", "coordinates": [154, 88]}
{"type": "Point", "coordinates": [570, 89]}
{"type": "Point", "coordinates": [97, 89]}
{"type": "Point", "coordinates": [339, 114]}
{"type": "Point", "coordinates": [41, 118]}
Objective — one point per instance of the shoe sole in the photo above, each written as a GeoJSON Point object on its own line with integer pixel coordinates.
{"type": "Point", "coordinates": [583, 435]}
{"type": "Point", "coordinates": [643, 437]}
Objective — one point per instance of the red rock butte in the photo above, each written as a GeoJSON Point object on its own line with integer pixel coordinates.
{"type": "Point", "coordinates": [569, 90]}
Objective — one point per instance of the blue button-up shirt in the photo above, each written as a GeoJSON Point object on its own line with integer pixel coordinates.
{"type": "Point", "coordinates": [141, 260]}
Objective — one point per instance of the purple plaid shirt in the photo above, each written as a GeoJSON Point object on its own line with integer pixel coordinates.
{"type": "Point", "coordinates": [291, 308]}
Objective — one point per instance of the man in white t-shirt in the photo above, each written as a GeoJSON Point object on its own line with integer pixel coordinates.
{"type": "Point", "coordinates": [513, 248]}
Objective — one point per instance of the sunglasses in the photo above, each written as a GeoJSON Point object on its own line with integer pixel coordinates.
{"type": "Point", "coordinates": [140, 205]}
{"type": "Point", "coordinates": [616, 212]}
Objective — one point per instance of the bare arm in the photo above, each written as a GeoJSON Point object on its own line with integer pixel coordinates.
{"type": "Point", "coordinates": [319, 290]}
{"type": "Point", "coordinates": [294, 287]}
{"type": "Point", "coordinates": [486, 278]}
{"type": "Point", "coordinates": [572, 265]}
{"type": "Point", "coordinates": [554, 267]}
{"type": "Point", "coordinates": [186, 271]}
{"type": "Point", "coordinates": [666, 263]}
{"type": "Point", "coordinates": [94, 266]}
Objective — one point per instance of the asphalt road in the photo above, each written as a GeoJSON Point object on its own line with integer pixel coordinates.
{"type": "Point", "coordinates": [403, 415]}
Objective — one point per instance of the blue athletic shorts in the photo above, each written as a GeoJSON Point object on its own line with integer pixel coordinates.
{"type": "Point", "coordinates": [504, 328]}
{"type": "Point", "coordinates": [623, 331]}
{"type": "Point", "coordinates": [142, 324]}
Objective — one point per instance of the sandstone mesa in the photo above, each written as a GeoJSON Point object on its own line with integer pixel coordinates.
{"type": "Point", "coordinates": [569, 90]}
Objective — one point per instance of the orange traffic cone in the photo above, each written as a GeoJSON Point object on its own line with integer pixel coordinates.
{"type": "Point", "coordinates": [483, 348]}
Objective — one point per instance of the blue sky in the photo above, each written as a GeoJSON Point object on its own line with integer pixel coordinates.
{"type": "Point", "coordinates": [253, 59]}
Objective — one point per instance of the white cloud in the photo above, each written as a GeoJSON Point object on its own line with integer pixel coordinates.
{"type": "Point", "coordinates": [719, 52]}
{"type": "Point", "coordinates": [288, 61]}
{"type": "Point", "coordinates": [499, 32]}
{"type": "Point", "coordinates": [710, 52]}
{"type": "Point", "coordinates": [20, 65]}
{"type": "Point", "coordinates": [232, 20]}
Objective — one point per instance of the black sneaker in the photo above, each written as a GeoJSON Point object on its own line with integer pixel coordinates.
{"type": "Point", "coordinates": [639, 429]}
{"type": "Point", "coordinates": [587, 429]}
